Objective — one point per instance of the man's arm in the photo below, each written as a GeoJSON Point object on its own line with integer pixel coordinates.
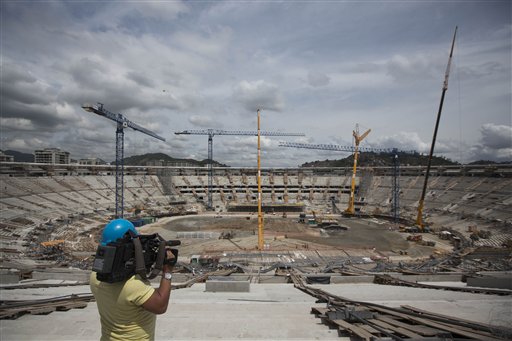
{"type": "Point", "coordinates": [158, 302]}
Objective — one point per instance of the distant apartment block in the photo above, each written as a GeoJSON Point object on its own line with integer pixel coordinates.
{"type": "Point", "coordinates": [91, 161]}
{"type": "Point", "coordinates": [161, 163]}
{"type": "Point", "coordinates": [52, 156]}
{"type": "Point", "coordinates": [5, 157]}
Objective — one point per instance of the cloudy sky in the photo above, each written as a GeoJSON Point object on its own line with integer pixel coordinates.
{"type": "Point", "coordinates": [316, 67]}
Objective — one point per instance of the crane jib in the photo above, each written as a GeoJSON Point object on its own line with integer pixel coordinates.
{"type": "Point", "coordinates": [213, 132]}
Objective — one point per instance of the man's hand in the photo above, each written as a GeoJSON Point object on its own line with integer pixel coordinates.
{"type": "Point", "coordinates": [171, 256]}
{"type": "Point", "coordinates": [158, 302]}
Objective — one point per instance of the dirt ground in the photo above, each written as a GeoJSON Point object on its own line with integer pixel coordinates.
{"type": "Point", "coordinates": [287, 234]}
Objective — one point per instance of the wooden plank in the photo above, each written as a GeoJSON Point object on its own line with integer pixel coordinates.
{"type": "Point", "coordinates": [484, 326]}
{"type": "Point", "coordinates": [441, 326]}
{"type": "Point", "coordinates": [9, 315]}
{"type": "Point", "coordinates": [419, 329]}
{"type": "Point", "coordinates": [369, 328]}
{"type": "Point", "coordinates": [455, 330]}
{"type": "Point", "coordinates": [319, 311]}
{"type": "Point", "coordinates": [354, 329]}
{"type": "Point", "coordinates": [40, 310]}
{"type": "Point", "coordinates": [74, 305]}
{"type": "Point", "coordinates": [398, 330]}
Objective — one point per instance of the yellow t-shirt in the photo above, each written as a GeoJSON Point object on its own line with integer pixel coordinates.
{"type": "Point", "coordinates": [120, 308]}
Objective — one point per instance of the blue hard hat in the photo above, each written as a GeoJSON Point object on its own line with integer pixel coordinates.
{"type": "Point", "coordinates": [117, 228]}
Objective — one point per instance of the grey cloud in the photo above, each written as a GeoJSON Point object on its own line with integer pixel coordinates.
{"type": "Point", "coordinates": [318, 79]}
{"type": "Point", "coordinates": [25, 93]}
{"type": "Point", "coordinates": [42, 116]}
{"type": "Point", "coordinates": [160, 10]}
{"type": "Point", "coordinates": [404, 141]}
{"type": "Point", "coordinates": [18, 86]}
{"type": "Point", "coordinates": [140, 79]}
{"type": "Point", "coordinates": [12, 73]}
{"type": "Point", "coordinates": [481, 152]}
{"type": "Point", "coordinates": [259, 95]}
{"type": "Point", "coordinates": [484, 70]}
{"type": "Point", "coordinates": [495, 143]}
{"type": "Point", "coordinates": [88, 72]}
{"type": "Point", "coordinates": [63, 54]}
{"type": "Point", "coordinates": [202, 121]}
{"type": "Point", "coordinates": [403, 68]}
{"type": "Point", "coordinates": [496, 136]}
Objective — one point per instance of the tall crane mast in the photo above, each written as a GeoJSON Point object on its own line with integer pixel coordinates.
{"type": "Point", "coordinates": [211, 133]}
{"type": "Point", "coordinates": [419, 218]}
{"type": "Point", "coordinates": [354, 149]}
{"type": "Point", "coordinates": [357, 139]}
{"type": "Point", "coordinates": [395, 194]}
{"type": "Point", "coordinates": [122, 123]}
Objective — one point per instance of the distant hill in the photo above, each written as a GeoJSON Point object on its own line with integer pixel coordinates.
{"type": "Point", "coordinates": [486, 162]}
{"type": "Point", "coordinates": [153, 158]}
{"type": "Point", "coordinates": [372, 159]}
{"type": "Point", "coordinates": [19, 156]}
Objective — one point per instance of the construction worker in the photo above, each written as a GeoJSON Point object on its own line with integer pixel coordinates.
{"type": "Point", "coordinates": [128, 308]}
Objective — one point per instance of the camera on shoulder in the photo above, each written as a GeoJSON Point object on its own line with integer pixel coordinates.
{"type": "Point", "coordinates": [133, 254]}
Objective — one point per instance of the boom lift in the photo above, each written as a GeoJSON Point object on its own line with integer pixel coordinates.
{"type": "Point", "coordinates": [122, 123]}
{"type": "Point", "coordinates": [419, 218]}
{"type": "Point", "coordinates": [211, 133]}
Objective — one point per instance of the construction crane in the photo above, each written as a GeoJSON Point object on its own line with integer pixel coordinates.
{"type": "Point", "coordinates": [122, 123]}
{"type": "Point", "coordinates": [419, 218]}
{"type": "Point", "coordinates": [353, 149]}
{"type": "Point", "coordinates": [211, 133]}
{"type": "Point", "coordinates": [357, 139]}
{"type": "Point", "coordinates": [395, 192]}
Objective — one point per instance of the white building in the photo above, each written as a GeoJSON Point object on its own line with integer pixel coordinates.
{"type": "Point", "coordinates": [91, 161]}
{"type": "Point", "coordinates": [52, 156]}
{"type": "Point", "coordinates": [5, 157]}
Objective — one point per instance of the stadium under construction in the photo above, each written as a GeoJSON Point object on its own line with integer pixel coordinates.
{"type": "Point", "coordinates": [322, 273]}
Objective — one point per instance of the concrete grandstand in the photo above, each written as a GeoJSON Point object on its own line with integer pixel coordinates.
{"type": "Point", "coordinates": [43, 205]}
{"type": "Point", "coordinates": [457, 197]}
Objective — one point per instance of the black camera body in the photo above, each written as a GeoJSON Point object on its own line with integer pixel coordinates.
{"type": "Point", "coordinates": [119, 260]}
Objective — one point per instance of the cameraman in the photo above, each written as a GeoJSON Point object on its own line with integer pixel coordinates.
{"type": "Point", "coordinates": [128, 309]}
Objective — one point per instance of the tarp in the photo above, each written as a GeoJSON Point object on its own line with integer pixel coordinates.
{"type": "Point", "coordinates": [53, 242]}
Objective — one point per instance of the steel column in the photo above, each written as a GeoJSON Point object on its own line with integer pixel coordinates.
{"type": "Point", "coordinates": [119, 171]}
{"type": "Point", "coordinates": [396, 188]}
{"type": "Point", "coordinates": [210, 169]}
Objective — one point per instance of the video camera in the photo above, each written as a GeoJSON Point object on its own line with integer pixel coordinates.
{"type": "Point", "coordinates": [133, 254]}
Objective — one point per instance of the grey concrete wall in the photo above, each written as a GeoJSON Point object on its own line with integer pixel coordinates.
{"type": "Point", "coordinates": [227, 286]}
{"type": "Point", "coordinates": [494, 281]}
{"type": "Point", "coordinates": [430, 278]}
{"type": "Point", "coordinates": [351, 279]}
{"type": "Point", "coordinates": [62, 274]}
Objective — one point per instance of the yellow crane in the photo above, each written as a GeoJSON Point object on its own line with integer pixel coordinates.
{"type": "Point", "coordinates": [260, 212]}
{"type": "Point", "coordinates": [357, 139]}
{"type": "Point", "coordinates": [259, 133]}
{"type": "Point", "coordinates": [355, 149]}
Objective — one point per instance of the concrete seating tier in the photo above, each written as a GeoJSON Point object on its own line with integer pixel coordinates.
{"type": "Point", "coordinates": [41, 199]}
{"type": "Point", "coordinates": [44, 198]}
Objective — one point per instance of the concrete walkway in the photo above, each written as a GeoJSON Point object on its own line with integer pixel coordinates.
{"type": "Point", "coordinates": [267, 312]}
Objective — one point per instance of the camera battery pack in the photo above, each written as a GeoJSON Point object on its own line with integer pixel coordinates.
{"type": "Point", "coordinates": [104, 260]}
